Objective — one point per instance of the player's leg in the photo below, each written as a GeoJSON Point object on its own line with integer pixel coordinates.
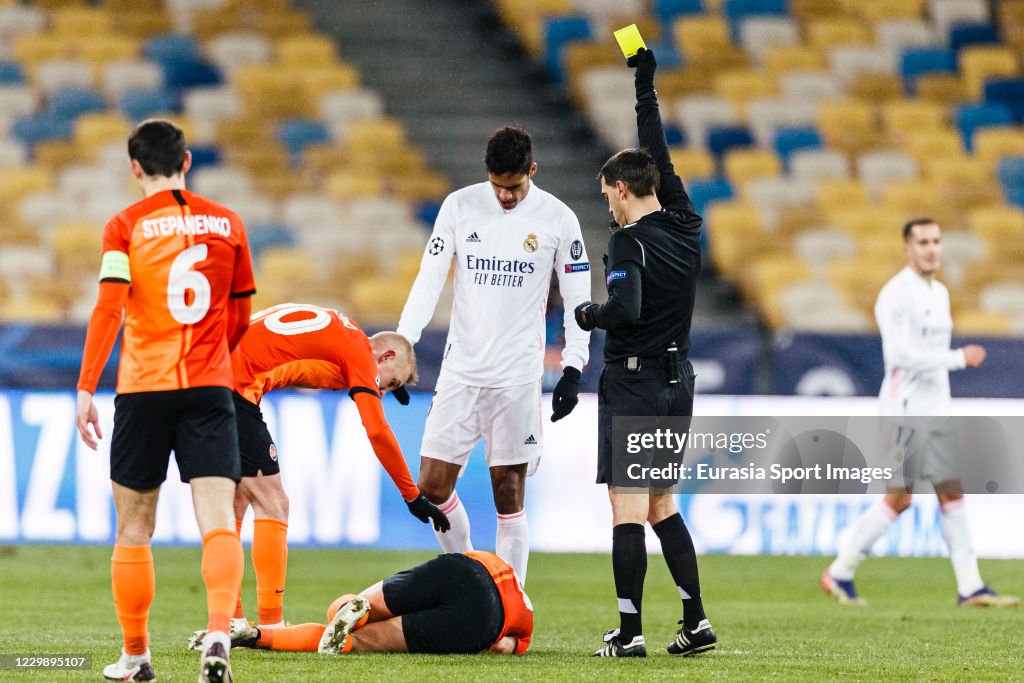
{"type": "Point", "coordinates": [449, 435]}
{"type": "Point", "coordinates": [513, 432]}
{"type": "Point", "coordinates": [206, 448]}
{"type": "Point", "coordinates": [629, 567]}
{"type": "Point", "coordinates": [269, 544]}
{"type": "Point", "coordinates": [139, 451]}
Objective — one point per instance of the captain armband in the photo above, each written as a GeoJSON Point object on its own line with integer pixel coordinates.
{"type": "Point", "coordinates": [115, 267]}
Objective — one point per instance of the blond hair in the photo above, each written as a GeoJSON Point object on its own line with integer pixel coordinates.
{"type": "Point", "coordinates": [404, 353]}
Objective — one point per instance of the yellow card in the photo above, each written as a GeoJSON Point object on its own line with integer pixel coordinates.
{"type": "Point", "coordinates": [629, 40]}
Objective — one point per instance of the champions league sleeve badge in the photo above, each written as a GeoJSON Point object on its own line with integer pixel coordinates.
{"type": "Point", "coordinates": [436, 246]}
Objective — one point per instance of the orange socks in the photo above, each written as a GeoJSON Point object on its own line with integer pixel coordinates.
{"type": "Point", "coordinates": [239, 612]}
{"type": "Point", "coordinates": [133, 582]}
{"type": "Point", "coordinates": [301, 638]}
{"type": "Point", "coordinates": [270, 560]}
{"type": "Point", "coordinates": [223, 565]}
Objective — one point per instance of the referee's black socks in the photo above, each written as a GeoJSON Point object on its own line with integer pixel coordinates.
{"type": "Point", "coordinates": [681, 558]}
{"type": "Point", "coordinates": [629, 563]}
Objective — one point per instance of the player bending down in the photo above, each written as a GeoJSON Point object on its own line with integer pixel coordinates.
{"type": "Point", "coordinates": [305, 345]}
{"type": "Point", "coordinates": [456, 603]}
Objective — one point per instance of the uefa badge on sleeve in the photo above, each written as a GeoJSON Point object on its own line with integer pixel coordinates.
{"type": "Point", "coordinates": [530, 244]}
{"type": "Point", "coordinates": [436, 246]}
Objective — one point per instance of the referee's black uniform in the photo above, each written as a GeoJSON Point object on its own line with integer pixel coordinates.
{"type": "Point", "coordinates": [651, 272]}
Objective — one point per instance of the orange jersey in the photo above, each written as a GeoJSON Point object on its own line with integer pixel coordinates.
{"type": "Point", "coordinates": [302, 345]}
{"type": "Point", "coordinates": [518, 610]}
{"type": "Point", "coordinates": [185, 257]}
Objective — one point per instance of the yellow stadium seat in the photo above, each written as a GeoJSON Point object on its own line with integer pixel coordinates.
{"type": "Point", "coordinates": [81, 21]}
{"type": "Point", "coordinates": [828, 32]}
{"type": "Point", "coordinates": [420, 186]}
{"type": "Point", "coordinates": [864, 221]}
{"type": "Point", "coordinates": [579, 57]}
{"type": "Point", "coordinates": [93, 131]}
{"type": "Point", "coordinates": [18, 181]}
{"type": "Point", "coordinates": [806, 9]}
{"type": "Point", "coordinates": [350, 184]}
{"type": "Point", "coordinates": [860, 278]}
{"type": "Point", "coordinates": [288, 263]}
{"type": "Point", "coordinates": [310, 50]}
{"type": "Point", "coordinates": [32, 48]}
{"type": "Point", "coordinates": [77, 247]}
{"type": "Point", "coordinates": [99, 50]}
{"type": "Point", "coordinates": [698, 36]}
{"type": "Point", "coordinates": [978, 63]}
{"type": "Point", "coordinates": [378, 300]}
{"type": "Point", "coordinates": [739, 86]}
{"type": "Point", "coordinates": [882, 10]}
{"type": "Point", "coordinates": [58, 4]}
{"type": "Point", "coordinates": [772, 273]}
{"type": "Point", "coordinates": [317, 80]}
{"type": "Point", "coordinates": [900, 118]}
{"type": "Point", "coordinates": [692, 163]}
{"type": "Point", "coordinates": [741, 165]}
{"type": "Point", "coordinates": [731, 229]}
{"type": "Point", "coordinates": [911, 197]}
{"type": "Point", "coordinates": [841, 120]}
{"type": "Point", "coordinates": [54, 154]}
{"type": "Point", "coordinates": [381, 134]}
{"type": "Point", "coordinates": [992, 144]}
{"type": "Point", "coordinates": [834, 195]}
{"type": "Point", "coordinates": [1011, 22]}
{"type": "Point", "coordinates": [525, 18]}
{"type": "Point", "coordinates": [997, 223]}
{"type": "Point", "coordinates": [933, 144]}
{"type": "Point", "coordinates": [975, 322]}
{"type": "Point", "coordinates": [877, 88]}
{"type": "Point", "coordinates": [690, 80]}
{"type": "Point", "coordinates": [947, 89]}
{"type": "Point", "coordinates": [783, 59]}
{"type": "Point", "coordinates": [953, 170]}
{"type": "Point", "coordinates": [141, 23]}
{"type": "Point", "coordinates": [116, 6]}
{"type": "Point", "coordinates": [31, 310]}
{"type": "Point", "coordinates": [284, 23]}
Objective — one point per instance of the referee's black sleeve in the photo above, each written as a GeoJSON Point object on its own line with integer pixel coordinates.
{"type": "Point", "coordinates": [624, 275]}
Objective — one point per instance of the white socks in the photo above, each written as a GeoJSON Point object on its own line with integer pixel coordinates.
{"type": "Point", "coordinates": [512, 542]}
{"type": "Point", "coordinates": [456, 539]}
{"type": "Point", "coordinates": [961, 552]}
{"type": "Point", "coordinates": [868, 528]}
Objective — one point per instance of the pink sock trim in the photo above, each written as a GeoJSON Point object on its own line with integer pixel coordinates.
{"type": "Point", "coordinates": [951, 505]}
{"type": "Point", "coordinates": [888, 511]}
{"type": "Point", "coordinates": [450, 504]}
{"type": "Point", "coordinates": [510, 517]}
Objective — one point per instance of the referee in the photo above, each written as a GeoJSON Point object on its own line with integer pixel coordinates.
{"type": "Point", "coordinates": [651, 272]}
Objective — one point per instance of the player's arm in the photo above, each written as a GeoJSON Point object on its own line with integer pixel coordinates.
{"type": "Point", "coordinates": [651, 134]}
{"type": "Point", "coordinates": [898, 348]}
{"type": "Point", "coordinates": [625, 286]}
{"type": "Point", "coordinates": [385, 447]}
{"type": "Point", "coordinates": [573, 269]}
{"type": "Point", "coordinates": [434, 267]}
{"type": "Point", "coordinates": [238, 319]}
{"type": "Point", "coordinates": [243, 286]}
{"type": "Point", "coordinates": [104, 324]}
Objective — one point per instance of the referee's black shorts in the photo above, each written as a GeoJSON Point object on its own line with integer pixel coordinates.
{"type": "Point", "coordinates": [198, 424]}
{"type": "Point", "coordinates": [646, 393]}
{"type": "Point", "coordinates": [257, 448]}
{"type": "Point", "coordinates": [448, 605]}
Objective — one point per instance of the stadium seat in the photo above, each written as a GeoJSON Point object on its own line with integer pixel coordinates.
{"type": "Point", "coordinates": [297, 134]}
{"type": "Point", "coordinates": [847, 62]}
{"type": "Point", "coordinates": [773, 273]}
{"type": "Point", "coordinates": [1008, 92]}
{"type": "Point", "coordinates": [970, 117]}
{"type": "Point", "coordinates": [707, 190]}
{"type": "Point", "coordinates": [977, 64]}
{"type": "Point", "coordinates": [832, 31]}
{"type": "Point", "coordinates": [840, 193]}
{"type": "Point", "coordinates": [876, 88]}
{"type": "Point", "coordinates": [306, 50]}
{"type": "Point", "coordinates": [171, 48]}
{"type": "Point", "coordinates": [997, 223]}
{"type": "Point", "coordinates": [823, 245]}
{"type": "Point", "coordinates": [774, 195]}
{"type": "Point", "coordinates": [17, 100]}
{"type": "Point", "coordinates": [69, 103]}
{"type": "Point", "coordinates": [741, 165]}
{"type": "Point", "coordinates": [36, 128]}
{"type": "Point", "coordinates": [812, 86]}
{"type": "Point", "coordinates": [12, 153]}
{"type": "Point", "coordinates": [767, 116]}
{"type": "Point", "coordinates": [901, 118]}
{"type": "Point", "coordinates": [692, 163]}
{"type": "Point", "coordinates": [17, 19]}
{"type": "Point", "coordinates": [231, 50]}
{"type": "Point", "coordinates": [917, 61]}
{"type": "Point", "coordinates": [142, 104]}
{"type": "Point", "coordinates": [759, 33]}
{"type": "Point", "coordinates": [57, 74]}
{"type": "Point", "coordinates": [911, 197]}
{"type": "Point", "coordinates": [699, 37]}
{"type": "Point", "coordinates": [190, 74]}
{"type": "Point", "coordinates": [944, 88]}
{"type": "Point", "coordinates": [962, 35]}
{"type": "Point", "coordinates": [933, 144]}
{"type": "Point", "coordinates": [819, 164]}
{"type": "Point", "coordinates": [947, 13]}
{"type": "Point", "coordinates": [992, 144]}
{"type": "Point", "coordinates": [558, 32]}
{"type": "Point", "coordinates": [880, 10]}
{"type": "Point", "coordinates": [840, 120]}
{"type": "Point", "coordinates": [1004, 297]}
{"type": "Point", "coordinates": [698, 113]}
{"type": "Point", "coordinates": [265, 236]}
{"type": "Point", "coordinates": [120, 76]}
{"type": "Point", "coordinates": [861, 278]}
{"type": "Point", "coordinates": [898, 34]}
{"type": "Point", "coordinates": [982, 324]}
{"type": "Point", "coordinates": [666, 11]}
{"type": "Point", "coordinates": [11, 72]}
{"type": "Point", "coordinates": [789, 140]}
{"type": "Point", "coordinates": [33, 49]}
{"type": "Point", "coordinates": [783, 59]}
{"type": "Point", "coordinates": [1011, 22]}
{"type": "Point", "coordinates": [338, 108]}
{"type": "Point", "coordinates": [93, 131]}
{"type": "Point", "coordinates": [346, 184]}
{"type": "Point", "coordinates": [99, 50]}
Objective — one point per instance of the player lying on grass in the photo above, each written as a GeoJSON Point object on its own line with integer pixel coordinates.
{"type": "Point", "coordinates": [304, 345]}
{"type": "Point", "coordinates": [456, 603]}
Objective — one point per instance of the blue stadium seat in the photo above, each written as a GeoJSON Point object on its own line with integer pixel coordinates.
{"type": "Point", "coordinates": [667, 10]}
{"type": "Point", "coordinates": [190, 74]}
{"type": "Point", "coordinates": [666, 52]}
{"type": "Point", "coordinates": [789, 140]}
{"type": "Point", "coordinates": [674, 135]}
{"type": "Point", "coordinates": [204, 156]}
{"type": "Point", "coordinates": [1014, 195]}
{"type": "Point", "coordinates": [558, 32]}
{"type": "Point", "coordinates": [70, 103]}
{"type": "Point", "coordinates": [723, 138]}
{"type": "Point", "coordinates": [1011, 172]}
{"type": "Point", "coordinates": [736, 10]}
{"type": "Point", "coordinates": [40, 127]}
{"type": "Point", "coordinates": [962, 35]}
{"type": "Point", "coordinates": [970, 117]}
{"type": "Point", "coordinates": [171, 47]}
{"type": "Point", "coordinates": [140, 104]}
{"type": "Point", "coordinates": [703, 191]}
{"type": "Point", "coordinates": [262, 236]}
{"type": "Point", "coordinates": [11, 72]}
{"type": "Point", "coordinates": [298, 134]}
{"type": "Point", "coordinates": [1008, 92]}
{"type": "Point", "coordinates": [427, 212]}
{"type": "Point", "coordinates": [921, 60]}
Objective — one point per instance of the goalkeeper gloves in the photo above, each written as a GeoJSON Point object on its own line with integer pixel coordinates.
{"type": "Point", "coordinates": [425, 511]}
{"type": "Point", "coordinates": [566, 394]}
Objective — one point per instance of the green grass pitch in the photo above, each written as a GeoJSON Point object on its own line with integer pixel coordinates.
{"type": "Point", "coordinates": [772, 620]}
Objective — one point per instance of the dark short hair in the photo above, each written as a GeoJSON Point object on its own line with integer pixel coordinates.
{"type": "Point", "coordinates": [909, 226]}
{"type": "Point", "coordinates": [509, 150]}
{"type": "Point", "coordinates": [634, 167]}
{"type": "Point", "coordinates": [158, 146]}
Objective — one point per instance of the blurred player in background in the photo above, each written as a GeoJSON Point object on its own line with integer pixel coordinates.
{"type": "Point", "coordinates": [458, 603]}
{"type": "Point", "coordinates": [913, 316]}
{"type": "Point", "coordinates": [506, 235]}
{"type": "Point", "coordinates": [651, 272]}
{"type": "Point", "coordinates": [310, 346]}
{"type": "Point", "coordinates": [180, 266]}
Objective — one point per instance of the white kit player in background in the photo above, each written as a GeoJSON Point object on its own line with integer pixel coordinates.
{"type": "Point", "coordinates": [913, 315]}
{"type": "Point", "coordinates": [506, 236]}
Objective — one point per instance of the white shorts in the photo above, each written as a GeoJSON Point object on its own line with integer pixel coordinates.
{"type": "Point", "coordinates": [508, 419]}
{"type": "Point", "coordinates": [919, 449]}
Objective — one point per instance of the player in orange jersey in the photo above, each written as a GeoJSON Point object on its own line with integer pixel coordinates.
{"type": "Point", "coordinates": [456, 603]}
{"type": "Point", "coordinates": [304, 345]}
{"type": "Point", "coordinates": [179, 266]}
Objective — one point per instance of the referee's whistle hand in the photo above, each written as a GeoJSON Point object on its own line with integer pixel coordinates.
{"type": "Point", "coordinates": [566, 394]}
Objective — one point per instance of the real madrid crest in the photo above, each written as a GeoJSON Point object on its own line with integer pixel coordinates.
{"type": "Point", "coordinates": [530, 243]}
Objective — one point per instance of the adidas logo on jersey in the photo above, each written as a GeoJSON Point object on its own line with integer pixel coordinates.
{"type": "Point", "coordinates": [530, 441]}
{"type": "Point", "coordinates": [473, 238]}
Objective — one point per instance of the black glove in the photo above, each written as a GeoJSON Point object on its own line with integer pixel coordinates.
{"type": "Point", "coordinates": [645, 65]}
{"type": "Point", "coordinates": [401, 395]}
{"type": "Point", "coordinates": [566, 394]}
{"type": "Point", "coordinates": [585, 316]}
{"type": "Point", "coordinates": [425, 511]}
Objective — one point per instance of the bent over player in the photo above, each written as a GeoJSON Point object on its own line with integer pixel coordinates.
{"type": "Point", "coordinates": [457, 603]}
{"type": "Point", "coordinates": [913, 315]}
{"type": "Point", "coordinates": [180, 266]}
{"type": "Point", "coordinates": [304, 345]}
{"type": "Point", "coordinates": [505, 235]}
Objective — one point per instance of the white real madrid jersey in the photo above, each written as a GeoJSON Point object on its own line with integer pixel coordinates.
{"type": "Point", "coordinates": [913, 316]}
{"type": "Point", "coordinates": [503, 264]}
